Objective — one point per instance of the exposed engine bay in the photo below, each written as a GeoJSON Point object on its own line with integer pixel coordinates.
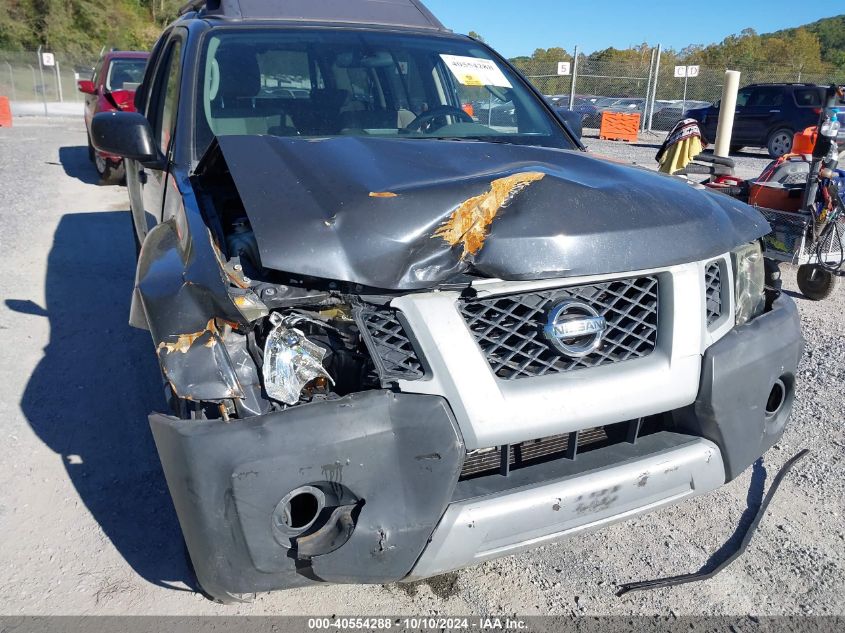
{"type": "Point", "coordinates": [304, 341]}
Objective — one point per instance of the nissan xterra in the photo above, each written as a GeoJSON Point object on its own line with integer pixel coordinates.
{"type": "Point", "coordinates": [399, 338]}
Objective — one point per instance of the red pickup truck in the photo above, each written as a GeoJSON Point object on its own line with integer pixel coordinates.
{"type": "Point", "coordinates": [112, 89]}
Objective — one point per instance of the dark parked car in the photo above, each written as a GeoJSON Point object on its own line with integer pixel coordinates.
{"type": "Point", "coordinates": [767, 115]}
{"type": "Point", "coordinates": [495, 112]}
{"type": "Point", "coordinates": [112, 89]}
{"type": "Point", "coordinates": [586, 110]}
{"type": "Point", "coordinates": [668, 113]}
{"type": "Point", "coordinates": [397, 341]}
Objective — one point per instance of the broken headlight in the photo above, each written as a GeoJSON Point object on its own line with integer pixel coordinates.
{"type": "Point", "coordinates": [291, 361]}
{"type": "Point", "coordinates": [749, 282]}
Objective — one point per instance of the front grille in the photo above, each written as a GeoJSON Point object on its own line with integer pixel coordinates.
{"type": "Point", "coordinates": [491, 460]}
{"type": "Point", "coordinates": [713, 288]}
{"type": "Point", "coordinates": [390, 347]}
{"type": "Point", "coordinates": [509, 329]}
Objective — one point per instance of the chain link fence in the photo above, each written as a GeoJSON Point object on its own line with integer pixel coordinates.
{"type": "Point", "coordinates": [33, 87]}
{"type": "Point", "coordinates": [630, 86]}
{"type": "Point", "coordinates": [648, 86]}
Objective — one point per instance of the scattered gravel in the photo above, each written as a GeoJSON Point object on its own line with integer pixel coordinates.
{"type": "Point", "coordinates": [89, 528]}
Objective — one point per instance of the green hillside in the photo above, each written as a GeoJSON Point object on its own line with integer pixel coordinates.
{"type": "Point", "coordinates": [82, 27]}
{"type": "Point", "coordinates": [831, 34]}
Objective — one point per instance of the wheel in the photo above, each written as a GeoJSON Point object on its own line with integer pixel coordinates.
{"type": "Point", "coordinates": [780, 142]}
{"type": "Point", "coordinates": [110, 174]}
{"type": "Point", "coordinates": [815, 282]}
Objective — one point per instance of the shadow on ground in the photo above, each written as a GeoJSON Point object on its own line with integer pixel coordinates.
{"type": "Point", "coordinates": [90, 394]}
{"type": "Point", "coordinates": [75, 162]}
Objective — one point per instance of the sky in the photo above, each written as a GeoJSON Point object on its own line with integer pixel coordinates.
{"type": "Point", "coordinates": [518, 27]}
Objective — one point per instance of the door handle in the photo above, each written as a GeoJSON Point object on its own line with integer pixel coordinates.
{"type": "Point", "coordinates": [774, 111]}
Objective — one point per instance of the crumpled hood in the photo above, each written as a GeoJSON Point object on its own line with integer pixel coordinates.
{"type": "Point", "coordinates": [410, 214]}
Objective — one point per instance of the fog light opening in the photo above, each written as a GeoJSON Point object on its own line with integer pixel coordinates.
{"type": "Point", "coordinates": [298, 511]}
{"type": "Point", "coordinates": [777, 398]}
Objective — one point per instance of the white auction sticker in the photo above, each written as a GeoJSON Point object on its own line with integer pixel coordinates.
{"type": "Point", "coordinates": [473, 71]}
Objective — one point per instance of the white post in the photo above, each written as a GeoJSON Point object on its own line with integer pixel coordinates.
{"type": "Point", "coordinates": [644, 122]}
{"type": "Point", "coordinates": [654, 87]}
{"type": "Point", "coordinates": [43, 86]}
{"type": "Point", "coordinates": [686, 79]}
{"type": "Point", "coordinates": [727, 110]}
{"type": "Point", "coordinates": [59, 82]}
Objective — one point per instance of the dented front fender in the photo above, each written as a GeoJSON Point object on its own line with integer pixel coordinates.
{"type": "Point", "coordinates": [181, 297]}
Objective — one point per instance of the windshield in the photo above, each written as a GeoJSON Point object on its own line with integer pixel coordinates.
{"type": "Point", "coordinates": [125, 74]}
{"type": "Point", "coordinates": [319, 83]}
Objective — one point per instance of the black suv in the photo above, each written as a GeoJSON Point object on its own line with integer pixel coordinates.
{"type": "Point", "coordinates": [767, 115]}
{"type": "Point", "coordinates": [388, 323]}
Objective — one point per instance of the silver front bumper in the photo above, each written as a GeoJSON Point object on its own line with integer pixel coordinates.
{"type": "Point", "coordinates": [487, 527]}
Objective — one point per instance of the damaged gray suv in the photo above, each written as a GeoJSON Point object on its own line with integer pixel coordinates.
{"type": "Point", "coordinates": [401, 338]}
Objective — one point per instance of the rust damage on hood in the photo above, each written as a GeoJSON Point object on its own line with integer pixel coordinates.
{"type": "Point", "coordinates": [184, 342]}
{"type": "Point", "coordinates": [470, 223]}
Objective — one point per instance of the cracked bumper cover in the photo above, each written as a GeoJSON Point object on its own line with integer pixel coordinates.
{"type": "Point", "coordinates": [737, 376]}
{"type": "Point", "coordinates": [402, 455]}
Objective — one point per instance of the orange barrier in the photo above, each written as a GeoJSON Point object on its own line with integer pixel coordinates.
{"type": "Point", "coordinates": [619, 126]}
{"type": "Point", "coordinates": [5, 112]}
{"type": "Point", "coordinates": [805, 142]}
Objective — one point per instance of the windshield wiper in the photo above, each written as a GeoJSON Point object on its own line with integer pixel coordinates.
{"type": "Point", "coordinates": [470, 139]}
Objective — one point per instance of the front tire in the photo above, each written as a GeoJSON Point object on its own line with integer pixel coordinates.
{"type": "Point", "coordinates": [780, 142]}
{"type": "Point", "coordinates": [816, 283]}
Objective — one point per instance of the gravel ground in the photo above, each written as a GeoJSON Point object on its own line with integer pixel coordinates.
{"type": "Point", "coordinates": [89, 528]}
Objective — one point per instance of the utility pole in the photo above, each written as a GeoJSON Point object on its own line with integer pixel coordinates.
{"type": "Point", "coordinates": [654, 87]}
{"type": "Point", "coordinates": [574, 78]}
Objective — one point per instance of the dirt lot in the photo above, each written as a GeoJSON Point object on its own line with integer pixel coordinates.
{"type": "Point", "coordinates": [88, 527]}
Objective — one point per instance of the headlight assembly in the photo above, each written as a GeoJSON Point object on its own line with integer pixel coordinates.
{"type": "Point", "coordinates": [749, 282]}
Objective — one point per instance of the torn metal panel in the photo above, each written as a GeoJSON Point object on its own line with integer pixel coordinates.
{"type": "Point", "coordinates": [314, 213]}
{"type": "Point", "coordinates": [198, 367]}
{"type": "Point", "coordinates": [182, 291]}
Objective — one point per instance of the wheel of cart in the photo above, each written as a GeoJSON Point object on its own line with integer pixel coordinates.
{"type": "Point", "coordinates": [793, 240]}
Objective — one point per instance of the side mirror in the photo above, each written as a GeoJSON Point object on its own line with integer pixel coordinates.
{"type": "Point", "coordinates": [572, 121]}
{"type": "Point", "coordinates": [86, 86]}
{"type": "Point", "coordinates": [128, 135]}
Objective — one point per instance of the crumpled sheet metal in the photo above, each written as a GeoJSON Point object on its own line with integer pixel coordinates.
{"type": "Point", "coordinates": [181, 291]}
{"type": "Point", "coordinates": [366, 210]}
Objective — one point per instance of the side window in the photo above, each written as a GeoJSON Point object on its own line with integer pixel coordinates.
{"type": "Point", "coordinates": [808, 97]}
{"type": "Point", "coordinates": [98, 70]}
{"type": "Point", "coordinates": [742, 98]}
{"type": "Point", "coordinates": [766, 97]}
{"type": "Point", "coordinates": [165, 97]}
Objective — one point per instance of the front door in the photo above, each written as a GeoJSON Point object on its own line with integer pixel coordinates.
{"type": "Point", "coordinates": [148, 185]}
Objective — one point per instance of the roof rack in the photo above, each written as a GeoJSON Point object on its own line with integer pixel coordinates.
{"type": "Point", "coordinates": [403, 13]}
